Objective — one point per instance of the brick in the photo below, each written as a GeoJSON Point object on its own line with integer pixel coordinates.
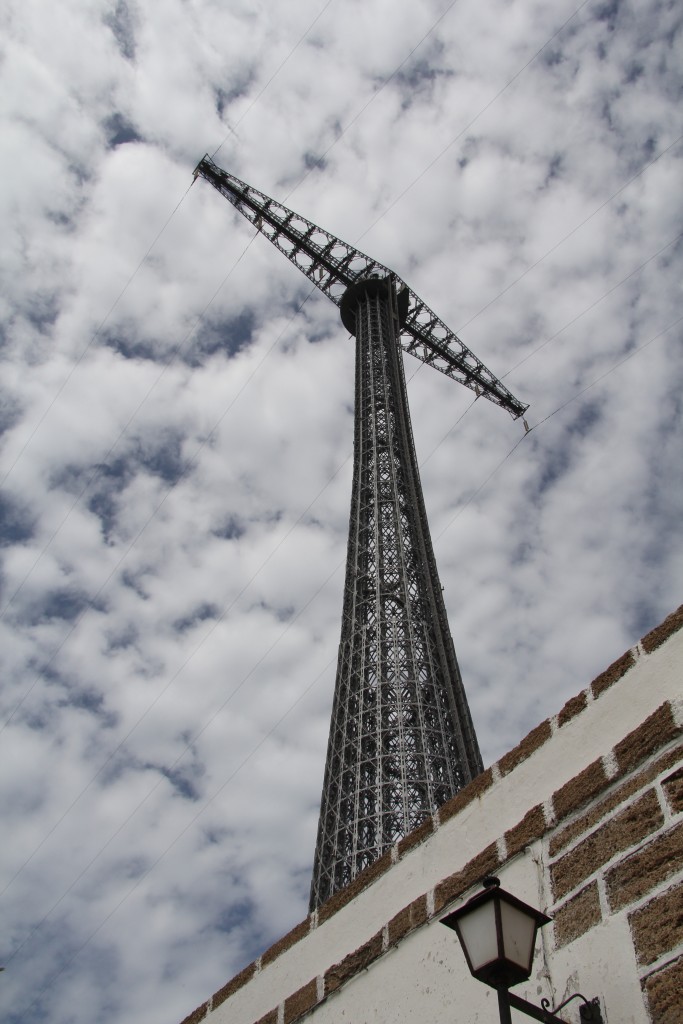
{"type": "Point", "coordinates": [233, 985]}
{"type": "Point", "coordinates": [577, 915]}
{"type": "Point", "coordinates": [408, 919]}
{"type": "Point", "coordinates": [466, 796]}
{"type": "Point", "coordinates": [474, 871]}
{"type": "Point", "coordinates": [417, 836]}
{"type": "Point", "coordinates": [654, 733]}
{"type": "Point", "coordinates": [353, 963]}
{"type": "Point", "coordinates": [657, 927]}
{"type": "Point", "coordinates": [617, 796]}
{"type": "Point", "coordinates": [583, 788]}
{"type": "Point", "coordinates": [572, 708]}
{"type": "Point", "coordinates": [656, 637]}
{"type": "Point", "coordinates": [301, 1002]}
{"type": "Point", "coordinates": [638, 874]}
{"type": "Point", "coordinates": [612, 674]}
{"type": "Point", "coordinates": [637, 821]}
{"type": "Point", "coordinates": [532, 826]}
{"type": "Point", "coordinates": [673, 790]}
{"type": "Point", "coordinates": [349, 892]}
{"type": "Point", "coordinates": [535, 739]}
{"type": "Point", "coordinates": [197, 1015]}
{"type": "Point", "coordinates": [287, 941]}
{"type": "Point", "coordinates": [662, 991]}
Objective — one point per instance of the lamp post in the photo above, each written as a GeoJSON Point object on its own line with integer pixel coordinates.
{"type": "Point", "coordinates": [497, 932]}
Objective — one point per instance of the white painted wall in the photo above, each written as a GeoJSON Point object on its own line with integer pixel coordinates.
{"type": "Point", "coordinates": [425, 978]}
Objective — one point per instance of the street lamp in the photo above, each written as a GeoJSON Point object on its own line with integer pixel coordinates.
{"type": "Point", "coordinates": [497, 932]}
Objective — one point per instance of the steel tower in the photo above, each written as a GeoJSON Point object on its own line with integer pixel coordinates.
{"type": "Point", "coordinates": [401, 738]}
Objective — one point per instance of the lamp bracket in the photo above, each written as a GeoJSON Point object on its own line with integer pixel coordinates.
{"type": "Point", "coordinates": [544, 1015]}
{"type": "Point", "coordinates": [590, 1010]}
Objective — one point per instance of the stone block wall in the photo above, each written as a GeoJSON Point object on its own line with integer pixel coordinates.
{"type": "Point", "coordinates": [584, 818]}
{"type": "Point", "coordinates": [622, 853]}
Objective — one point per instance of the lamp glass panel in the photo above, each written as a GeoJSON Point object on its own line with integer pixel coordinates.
{"type": "Point", "coordinates": [478, 934]}
{"type": "Point", "coordinates": [519, 932]}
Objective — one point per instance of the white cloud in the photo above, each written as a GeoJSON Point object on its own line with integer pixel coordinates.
{"type": "Point", "coordinates": [177, 438]}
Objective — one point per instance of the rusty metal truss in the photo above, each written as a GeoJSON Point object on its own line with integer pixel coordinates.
{"type": "Point", "coordinates": [401, 738]}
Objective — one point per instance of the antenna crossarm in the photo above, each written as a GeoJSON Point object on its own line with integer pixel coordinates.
{"type": "Point", "coordinates": [426, 337]}
{"type": "Point", "coordinates": [332, 265]}
{"type": "Point", "coordinates": [328, 262]}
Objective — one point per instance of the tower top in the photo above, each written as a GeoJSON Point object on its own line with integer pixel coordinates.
{"type": "Point", "coordinates": [374, 285]}
{"type": "Point", "coordinates": [332, 265]}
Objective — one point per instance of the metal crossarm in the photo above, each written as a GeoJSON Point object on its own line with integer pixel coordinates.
{"type": "Point", "coordinates": [333, 265]}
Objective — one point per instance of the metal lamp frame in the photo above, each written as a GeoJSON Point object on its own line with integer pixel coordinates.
{"type": "Point", "coordinates": [502, 973]}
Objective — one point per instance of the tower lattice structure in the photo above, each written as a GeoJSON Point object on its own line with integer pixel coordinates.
{"type": "Point", "coordinates": [401, 738]}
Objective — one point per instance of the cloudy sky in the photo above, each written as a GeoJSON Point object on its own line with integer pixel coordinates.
{"type": "Point", "coordinates": [176, 419]}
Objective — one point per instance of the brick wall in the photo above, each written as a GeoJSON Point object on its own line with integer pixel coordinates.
{"type": "Point", "coordinates": [585, 815]}
{"type": "Point", "coordinates": [622, 853]}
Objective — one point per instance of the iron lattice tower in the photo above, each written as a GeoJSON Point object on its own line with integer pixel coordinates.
{"type": "Point", "coordinates": [401, 739]}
